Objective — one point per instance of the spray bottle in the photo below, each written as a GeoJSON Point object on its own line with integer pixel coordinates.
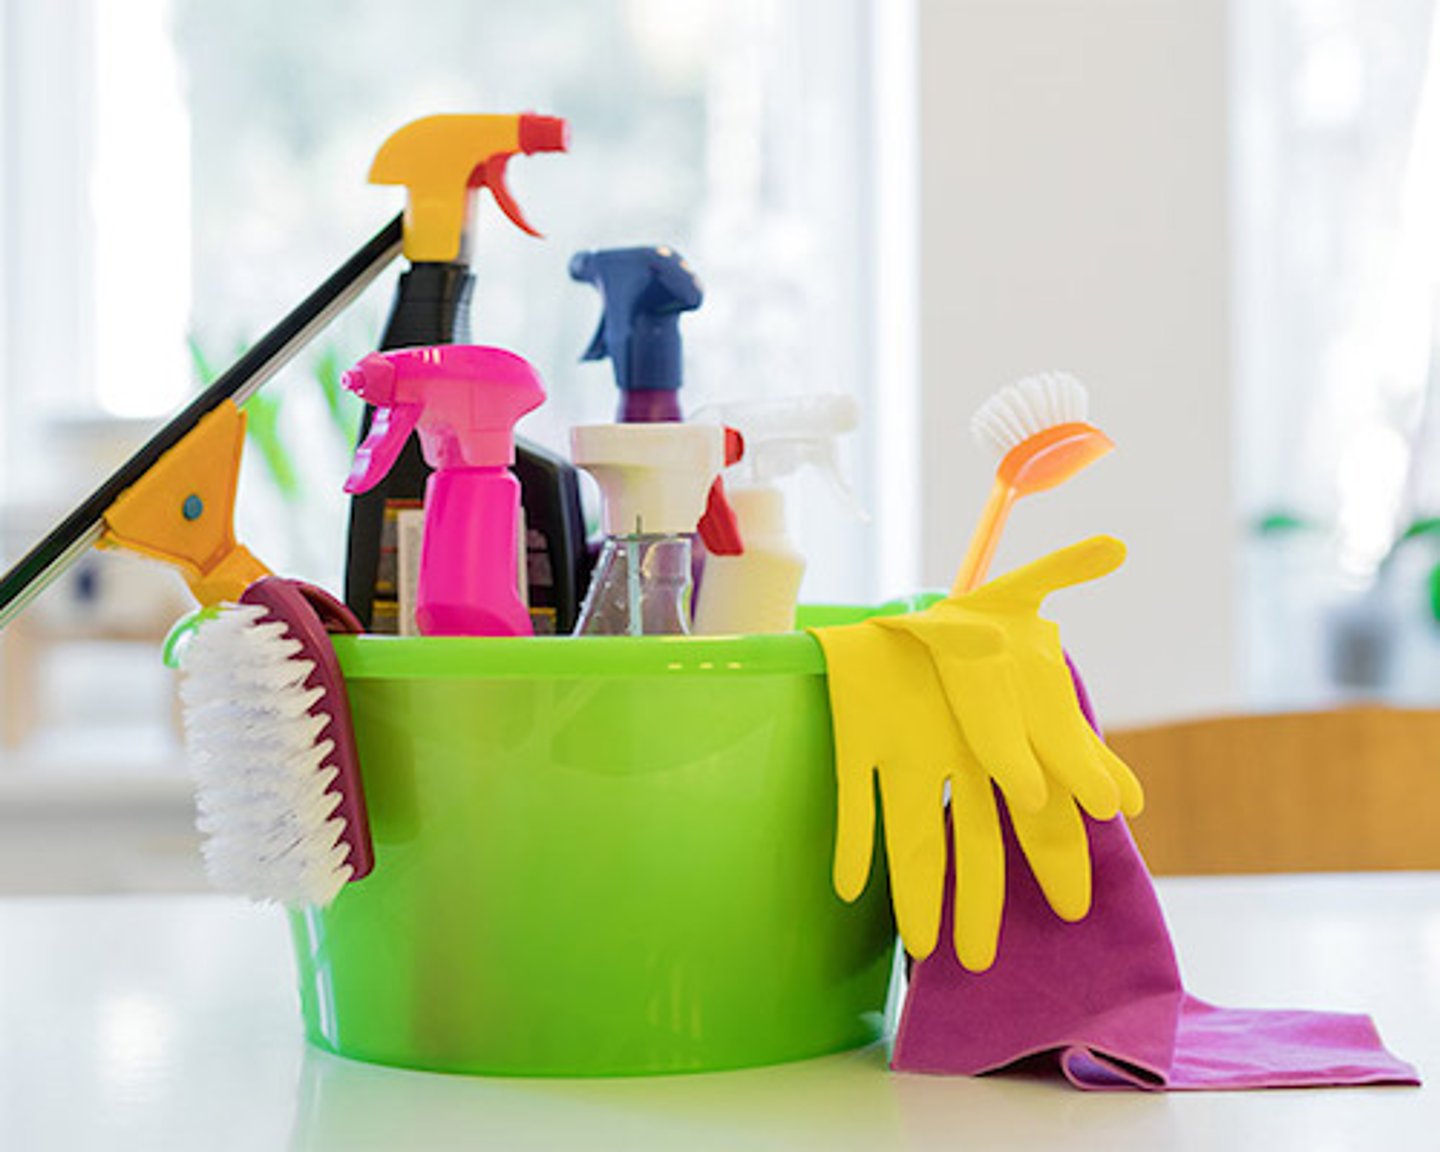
{"type": "Point", "coordinates": [654, 479]}
{"type": "Point", "coordinates": [464, 401]}
{"type": "Point", "coordinates": [643, 291]}
{"type": "Point", "coordinates": [442, 161]}
{"type": "Point", "coordinates": [757, 590]}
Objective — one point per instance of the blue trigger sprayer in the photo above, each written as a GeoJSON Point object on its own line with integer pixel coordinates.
{"type": "Point", "coordinates": [643, 291]}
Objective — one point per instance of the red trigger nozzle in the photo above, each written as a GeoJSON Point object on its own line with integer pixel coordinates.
{"type": "Point", "coordinates": [720, 528]}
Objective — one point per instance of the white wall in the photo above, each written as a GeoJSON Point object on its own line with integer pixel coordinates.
{"type": "Point", "coordinates": [1073, 208]}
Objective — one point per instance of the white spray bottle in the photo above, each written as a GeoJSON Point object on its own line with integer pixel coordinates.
{"type": "Point", "coordinates": [757, 590]}
{"type": "Point", "coordinates": [654, 479]}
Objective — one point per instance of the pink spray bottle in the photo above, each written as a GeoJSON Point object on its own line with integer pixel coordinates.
{"type": "Point", "coordinates": [464, 400]}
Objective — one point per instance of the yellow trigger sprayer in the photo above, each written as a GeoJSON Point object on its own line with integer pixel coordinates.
{"type": "Point", "coordinates": [432, 307]}
{"type": "Point", "coordinates": [173, 499]}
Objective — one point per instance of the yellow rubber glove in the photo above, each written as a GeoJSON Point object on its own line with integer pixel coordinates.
{"type": "Point", "coordinates": [978, 691]}
{"type": "Point", "coordinates": [891, 718]}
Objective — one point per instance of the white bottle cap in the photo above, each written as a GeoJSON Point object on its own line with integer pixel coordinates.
{"type": "Point", "coordinates": [654, 477]}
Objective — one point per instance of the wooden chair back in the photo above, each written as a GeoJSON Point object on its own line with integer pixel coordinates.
{"type": "Point", "coordinates": [1356, 789]}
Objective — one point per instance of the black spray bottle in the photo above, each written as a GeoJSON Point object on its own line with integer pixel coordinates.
{"type": "Point", "coordinates": [442, 160]}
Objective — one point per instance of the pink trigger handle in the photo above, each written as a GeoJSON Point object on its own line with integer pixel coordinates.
{"type": "Point", "coordinates": [390, 428]}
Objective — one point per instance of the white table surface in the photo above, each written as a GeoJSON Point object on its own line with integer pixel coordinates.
{"type": "Point", "coordinates": [171, 1022]}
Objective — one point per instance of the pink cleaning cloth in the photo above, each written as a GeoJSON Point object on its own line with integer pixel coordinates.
{"type": "Point", "coordinates": [1103, 999]}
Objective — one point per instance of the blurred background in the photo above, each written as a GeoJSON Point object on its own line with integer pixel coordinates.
{"type": "Point", "coordinates": [1224, 218]}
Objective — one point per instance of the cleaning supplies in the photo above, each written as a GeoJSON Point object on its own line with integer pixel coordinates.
{"type": "Point", "coordinates": [644, 291]}
{"type": "Point", "coordinates": [972, 691]}
{"type": "Point", "coordinates": [271, 748]}
{"type": "Point", "coordinates": [442, 160]}
{"type": "Point", "coordinates": [654, 479]}
{"type": "Point", "coordinates": [464, 401]}
{"type": "Point", "coordinates": [756, 590]}
{"type": "Point", "coordinates": [1038, 428]}
{"type": "Point", "coordinates": [86, 525]}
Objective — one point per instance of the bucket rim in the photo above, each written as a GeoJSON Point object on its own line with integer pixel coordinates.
{"type": "Point", "coordinates": [372, 657]}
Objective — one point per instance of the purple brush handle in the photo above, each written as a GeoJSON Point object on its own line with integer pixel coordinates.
{"type": "Point", "coordinates": [311, 614]}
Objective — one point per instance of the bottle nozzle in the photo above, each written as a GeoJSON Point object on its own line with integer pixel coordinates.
{"type": "Point", "coordinates": [464, 400]}
{"type": "Point", "coordinates": [441, 159]}
{"type": "Point", "coordinates": [784, 435]}
{"type": "Point", "coordinates": [543, 134]}
{"type": "Point", "coordinates": [373, 380]}
{"type": "Point", "coordinates": [644, 292]}
{"type": "Point", "coordinates": [654, 477]}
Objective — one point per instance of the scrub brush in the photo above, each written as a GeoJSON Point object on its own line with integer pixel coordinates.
{"type": "Point", "coordinates": [270, 745]}
{"type": "Point", "coordinates": [1037, 426]}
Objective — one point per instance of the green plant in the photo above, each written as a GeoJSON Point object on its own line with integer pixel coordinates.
{"type": "Point", "coordinates": [264, 428]}
{"type": "Point", "coordinates": [1280, 523]}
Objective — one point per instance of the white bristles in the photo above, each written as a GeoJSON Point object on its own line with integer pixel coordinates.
{"type": "Point", "coordinates": [262, 772]}
{"type": "Point", "coordinates": [1029, 406]}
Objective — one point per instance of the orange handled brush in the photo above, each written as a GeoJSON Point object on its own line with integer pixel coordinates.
{"type": "Point", "coordinates": [1038, 427]}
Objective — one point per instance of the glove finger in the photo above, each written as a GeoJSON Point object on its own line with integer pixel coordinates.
{"type": "Point", "coordinates": [1066, 744]}
{"type": "Point", "coordinates": [1056, 845]}
{"type": "Point", "coordinates": [854, 828]}
{"type": "Point", "coordinates": [1029, 585]}
{"type": "Point", "coordinates": [979, 869]}
{"type": "Point", "coordinates": [1132, 794]}
{"type": "Point", "coordinates": [913, 809]}
{"type": "Point", "coordinates": [1075, 768]}
{"type": "Point", "coordinates": [985, 698]}
{"type": "Point", "coordinates": [855, 757]}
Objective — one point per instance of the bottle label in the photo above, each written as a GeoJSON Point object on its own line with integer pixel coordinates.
{"type": "Point", "coordinates": [386, 611]}
{"type": "Point", "coordinates": [540, 582]}
{"type": "Point", "coordinates": [410, 539]}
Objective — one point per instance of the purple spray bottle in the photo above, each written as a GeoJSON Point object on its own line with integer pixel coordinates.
{"type": "Point", "coordinates": [464, 400]}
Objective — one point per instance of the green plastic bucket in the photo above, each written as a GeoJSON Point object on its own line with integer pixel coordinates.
{"type": "Point", "coordinates": [600, 856]}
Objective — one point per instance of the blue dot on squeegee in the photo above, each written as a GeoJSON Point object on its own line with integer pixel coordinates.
{"type": "Point", "coordinates": [193, 507]}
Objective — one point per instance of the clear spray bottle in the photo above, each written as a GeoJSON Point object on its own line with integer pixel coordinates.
{"type": "Point", "coordinates": [654, 479]}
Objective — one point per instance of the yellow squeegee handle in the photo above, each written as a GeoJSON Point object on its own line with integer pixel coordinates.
{"type": "Point", "coordinates": [86, 525]}
{"type": "Point", "coordinates": [182, 510]}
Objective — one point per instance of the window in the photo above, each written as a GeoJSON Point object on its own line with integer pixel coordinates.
{"type": "Point", "coordinates": [1337, 161]}
{"type": "Point", "coordinates": [213, 172]}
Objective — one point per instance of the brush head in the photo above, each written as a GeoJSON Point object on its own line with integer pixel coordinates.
{"type": "Point", "coordinates": [1028, 407]}
{"type": "Point", "coordinates": [268, 742]}
{"type": "Point", "coordinates": [1038, 428]}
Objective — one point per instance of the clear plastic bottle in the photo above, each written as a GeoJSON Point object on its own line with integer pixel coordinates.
{"type": "Point", "coordinates": [654, 479]}
{"type": "Point", "coordinates": [641, 587]}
